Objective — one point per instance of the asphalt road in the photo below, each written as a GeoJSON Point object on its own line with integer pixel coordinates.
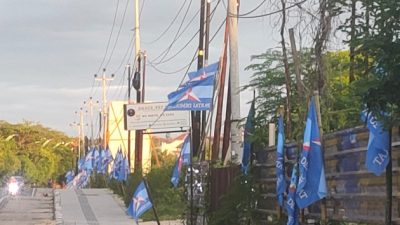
{"type": "Point", "coordinates": [33, 206]}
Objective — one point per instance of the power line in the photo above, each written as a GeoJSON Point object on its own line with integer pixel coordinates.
{"type": "Point", "coordinates": [267, 14]}
{"type": "Point", "coordinates": [118, 34]}
{"type": "Point", "coordinates": [169, 26]}
{"type": "Point", "coordinates": [251, 11]}
{"type": "Point", "coordinates": [177, 34]}
{"type": "Point", "coordinates": [187, 43]}
{"type": "Point", "coordinates": [109, 37]}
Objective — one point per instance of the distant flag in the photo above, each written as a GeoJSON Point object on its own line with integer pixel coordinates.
{"type": "Point", "coordinates": [279, 164]}
{"type": "Point", "coordinates": [248, 130]}
{"type": "Point", "coordinates": [99, 164]}
{"type": "Point", "coordinates": [117, 165]}
{"type": "Point", "coordinates": [107, 159]}
{"type": "Point", "coordinates": [291, 206]}
{"type": "Point", "coordinates": [69, 176]}
{"type": "Point", "coordinates": [89, 160]}
{"type": "Point", "coordinates": [123, 170]}
{"type": "Point", "coordinates": [377, 157]}
{"type": "Point", "coordinates": [183, 160]}
{"type": "Point", "coordinates": [312, 184]}
{"type": "Point", "coordinates": [96, 155]}
{"type": "Point", "coordinates": [196, 94]}
{"type": "Point", "coordinates": [81, 164]}
{"type": "Point", "coordinates": [140, 202]}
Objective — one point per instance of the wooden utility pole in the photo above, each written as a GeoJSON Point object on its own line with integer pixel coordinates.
{"type": "Point", "coordinates": [234, 78]}
{"type": "Point", "coordinates": [129, 102]}
{"type": "Point", "coordinates": [138, 134]}
{"type": "Point", "coordinates": [103, 80]}
{"type": "Point", "coordinates": [218, 120]}
{"type": "Point", "coordinates": [206, 53]}
{"type": "Point", "coordinates": [196, 115]}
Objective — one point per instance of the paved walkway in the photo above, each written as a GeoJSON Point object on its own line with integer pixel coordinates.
{"type": "Point", "coordinates": [96, 207]}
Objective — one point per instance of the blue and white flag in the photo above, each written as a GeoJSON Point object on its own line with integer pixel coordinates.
{"type": "Point", "coordinates": [204, 72]}
{"type": "Point", "coordinates": [69, 176]}
{"type": "Point", "coordinates": [183, 160]}
{"type": "Point", "coordinates": [89, 160]}
{"type": "Point", "coordinates": [279, 163]}
{"type": "Point", "coordinates": [378, 145]}
{"type": "Point", "coordinates": [291, 206]}
{"type": "Point", "coordinates": [140, 202]}
{"type": "Point", "coordinates": [124, 170]}
{"type": "Point", "coordinates": [248, 130]}
{"type": "Point", "coordinates": [312, 182]}
{"type": "Point", "coordinates": [116, 169]}
{"type": "Point", "coordinates": [196, 94]}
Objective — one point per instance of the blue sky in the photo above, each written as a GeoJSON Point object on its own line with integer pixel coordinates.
{"type": "Point", "coordinates": [50, 50]}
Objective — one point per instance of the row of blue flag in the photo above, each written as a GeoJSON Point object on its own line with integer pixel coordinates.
{"type": "Point", "coordinates": [98, 161]}
{"type": "Point", "coordinates": [308, 182]}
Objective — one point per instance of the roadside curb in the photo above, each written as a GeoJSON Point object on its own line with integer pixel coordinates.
{"type": "Point", "coordinates": [57, 207]}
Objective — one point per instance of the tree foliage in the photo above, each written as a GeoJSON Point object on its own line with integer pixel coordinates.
{"type": "Point", "coordinates": [36, 152]}
{"type": "Point", "coordinates": [339, 103]}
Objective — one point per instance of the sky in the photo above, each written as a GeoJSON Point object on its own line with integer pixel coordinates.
{"type": "Point", "coordinates": [51, 49]}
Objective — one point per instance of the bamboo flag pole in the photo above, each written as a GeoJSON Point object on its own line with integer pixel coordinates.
{"type": "Point", "coordinates": [318, 108]}
{"type": "Point", "coordinates": [151, 199]}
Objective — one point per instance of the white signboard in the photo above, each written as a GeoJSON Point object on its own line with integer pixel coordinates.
{"type": "Point", "coordinates": [143, 116]}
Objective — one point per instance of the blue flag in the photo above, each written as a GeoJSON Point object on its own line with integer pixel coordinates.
{"type": "Point", "coordinates": [116, 169]}
{"type": "Point", "coordinates": [248, 130]}
{"type": "Point", "coordinates": [378, 145]}
{"type": "Point", "coordinates": [89, 160]}
{"type": "Point", "coordinates": [196, 94]}
{"type": "Point", "coordinates": [312, 182]}
{"type": "Point", "coordinates": [123, 170]}
{"type": "Point", "coordinates": [183, 160]}
{"type": "Point", "coordinates": [69, 176]}
{"type": "Point", "coordinates": [140, 202]}
{"type": "Point", "coordinates": [279, 164]}
{"type": "Point", "coordinates": [204, 72]}
{"type": "Point", "coordinates": [291, 206]}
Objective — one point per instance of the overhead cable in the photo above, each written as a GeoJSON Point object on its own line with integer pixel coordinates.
{"type": "Point", "coordinates": [109, 38]}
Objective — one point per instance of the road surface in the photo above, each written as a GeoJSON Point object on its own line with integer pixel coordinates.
{"type": "Point", "coordinates": [33, 206]}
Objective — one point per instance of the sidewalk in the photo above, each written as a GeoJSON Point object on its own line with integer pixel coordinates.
{"type": "Point", "coordinates": [95, 207]}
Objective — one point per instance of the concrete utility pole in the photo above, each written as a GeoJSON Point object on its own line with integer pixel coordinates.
{"type": "Point", "coordinates": [234, 79]}
{"type": "Point", "coordinates": [81, 130]}
{"type": "Point", "coordinates": [75, 125]}
{"type": "Point", "coordinates": [103, 80]}
{"type": "Point", "coordinates": [90, 104]}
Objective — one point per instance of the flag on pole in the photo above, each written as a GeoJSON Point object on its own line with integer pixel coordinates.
{"type": "Point", "coordinates": [69, 176]}
{"type": "Point", "coordinates": [248, 130]}
{"type": "Point", "coordinates": [312, 183]}
{"type": "Point", "coordinates": [183, 160]}
{"type": "Point", "coordinates": [291, 206]}
{"type": "Point", "coordinates": [279, 164]}
{"type": "Point", "coordinates": [89, 160]}
{"type": "Point", "coordinates": [140, 202]}
{"type": "Point", "coordinates": [124, 170]}
{"type": "Point", "coordinates": [196, 94]}
{"type": "Point", "coordinates": [204, 72]}
{"type": "Point", "coordinates": [377, 157]}
{"type": "Point", "coordinates": [116, 169]}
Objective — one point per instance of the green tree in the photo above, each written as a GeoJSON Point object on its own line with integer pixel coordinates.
{"type": "Point", "coordinates": [36, 152]}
